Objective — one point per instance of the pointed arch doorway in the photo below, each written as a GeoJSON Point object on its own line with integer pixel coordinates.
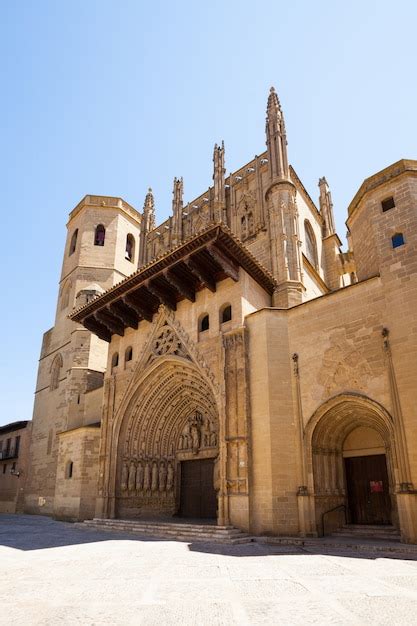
{"type": "Point", "coordinates": [168, 445]}
{"type": "Point", "coordinates": [353, 463]}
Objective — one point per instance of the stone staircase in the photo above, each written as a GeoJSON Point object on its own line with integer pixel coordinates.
{"type": "Point", "coordinates": [368, 532]}
{"type": "Point", "coordinates": [177, 531]}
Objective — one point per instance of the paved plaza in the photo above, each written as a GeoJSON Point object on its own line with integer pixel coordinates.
{"type": "Point", "coordinates": [53, 573]}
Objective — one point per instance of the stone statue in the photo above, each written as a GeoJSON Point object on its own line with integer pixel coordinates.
{"type": "Point", "coordinates": [213, 439]}
{"type": "Point", "coordinates": [170, 477]}
{"type": "Point", "coordinates": [162, 476]}
{"type": "Point", "coordinates": [195, 434]}
{"type": "Point", "coordinates": [132, 476]}
{"type": "Point", "coordinates": [139, 476]}
{"type": "Point", "coordinates": [147, 477]}
{"type": "Point", "coordinates": [154, 485]}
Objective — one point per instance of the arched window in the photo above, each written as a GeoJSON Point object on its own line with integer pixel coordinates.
{"type": "Point", "coordinates": [114, 360]}
{"type": "Point", "coordinates": [204, 323]}
{"type": "Point", "coordinates": [397, 240]}
{"type": "Point", "coordinates": [311, 246]}
{"type": "Point", "coordinates": [73, 243]}
{"type": "Point", "coordinates": [69, 469]}
{"type": "Point", "coordinates": [225, 314]}
{"type": "Point", "coordinates": [128, 354]}
{"type": "Point", "coordinates": [56, 372]}
{"type": "Point", "coordinates": [99, 235]}
{"type": "Point", "coordinates": [65, 294]}
{"type": "Point", "coordinates": [243, 228]}
{"type": "Point", "coordinates": [130, 248]}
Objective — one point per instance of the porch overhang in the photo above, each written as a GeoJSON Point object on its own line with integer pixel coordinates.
{"type": "Point", "coordinates": [199, 263]}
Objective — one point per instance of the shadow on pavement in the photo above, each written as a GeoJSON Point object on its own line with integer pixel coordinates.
{"type": "Point", "coordinates": [35, 532]}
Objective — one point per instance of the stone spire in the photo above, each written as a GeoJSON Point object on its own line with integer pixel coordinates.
{"type": "Point", "coordinates": [147, 224]}
{"type": "Point", "coordinates": [219, 201]}
{"type": "Point", "coordinates": [276, 138]}
{"type": "Point", "coordinates": [326, 208]}
{"type": "Point", "coordinates": [177, 205]}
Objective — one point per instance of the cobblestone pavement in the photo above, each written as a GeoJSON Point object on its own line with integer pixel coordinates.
{"type": "Point", "coordinates": [52, 574]}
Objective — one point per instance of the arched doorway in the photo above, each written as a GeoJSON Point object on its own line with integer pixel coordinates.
{"type": "Point", "coordinates": [168, 445]}
{"type": "Point", "coordinates": [352, 462]}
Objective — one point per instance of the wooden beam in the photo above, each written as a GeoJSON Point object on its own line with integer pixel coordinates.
{"type": "Point", "coordinates": [162, 294]}
{"type": "Point", "coordinates": [185, 288]}
{"type": "Point", "coordinates": [125, 313]}
{"type": "Point", "coordinates": [94, 326]}
{"type": "Point", "coordinates": [230, 268]}
{"type": "Point", "coordinates": [141, 309]}
{"type": "Point", "coordinates": [109, 320]}
{"type": "Point", "coordinates": [201, 272]}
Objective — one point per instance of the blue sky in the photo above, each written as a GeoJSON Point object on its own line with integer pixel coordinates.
{"type": "Point", "coordinates": [110, 97]}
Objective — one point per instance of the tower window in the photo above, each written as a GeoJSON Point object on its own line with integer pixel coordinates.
{"type": "Point", "coordinates": [204, 323]}
{"type": "Point", "coordinates": [114, 360]}
{"type": "Point", "coordinates": [56, 366]}
{"type": "Point", "coordinates": [73, 243]}
{"type": "Point", "coordinates": [69, 469]}
{"type": "Point", "coordinates": [397, 240]}
{"type": "Point", "coordinates": [388, 204]}
{"type": "Point", "coordinates": [226, 314]}
{"type": "Point", "coordinates": [130, 247]}
{"type": "Point", "coordinates": [128, 354]}
{"type": "Point", "coordinates": [99, 235]}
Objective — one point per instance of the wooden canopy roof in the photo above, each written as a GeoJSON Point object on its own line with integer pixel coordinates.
{"type": "Point", "coordinates": [200, 262]}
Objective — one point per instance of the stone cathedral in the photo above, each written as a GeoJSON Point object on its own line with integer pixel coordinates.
{"type": "Point", "coordinates": [232, 362]}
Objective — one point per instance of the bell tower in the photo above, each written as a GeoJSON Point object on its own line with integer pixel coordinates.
{"type": "Point", "coordinates": [102, 248]}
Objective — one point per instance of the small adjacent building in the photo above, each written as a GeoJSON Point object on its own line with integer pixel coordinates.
{"type": "Point", "coordinates": [14, 455]}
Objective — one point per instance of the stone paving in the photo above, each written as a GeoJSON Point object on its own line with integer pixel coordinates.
{"type": "Point", "coordinates": [53, 573]}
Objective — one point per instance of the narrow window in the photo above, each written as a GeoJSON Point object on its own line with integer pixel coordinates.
{"type": "Point", "coordinates": [56, 367]}
{"type": "Point", "coordinates": [4, 468]}
{"type": "Point", "coordinates": [128, 354]}
{"type": "Point", "coordinates": [311, 246]}
{"type": "Point", "coordinates": [226, 314]}
{"type": "Point", "coordinates": [388, 204]}
{"type": "Point", "coordinates": [99, 235]}
{"type": "Point", "coordinates": [204, 323]}
{"type": "Point", "coordinates": [130, 247]}
{"type": "Point", "coordinates": [65, 294]}
{"type": "Point", "coordinates": [73, 243]}
{"type": "Point", "coordinates": [7, 451]}
{"type": "Point", "coordinates": [114, 360]}
{"type": "Point", "coordinates": [69, 469]}
{"type": "Point", "coordinates": [397, 240]}
{"type": "Point", "coordinates": [17, 446]}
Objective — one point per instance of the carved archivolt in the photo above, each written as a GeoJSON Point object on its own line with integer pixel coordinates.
{"type": "Point", "coordinates": [172, 412]}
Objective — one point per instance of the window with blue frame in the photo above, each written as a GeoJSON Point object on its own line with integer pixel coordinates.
{"type": "Point", "coordinates": [397, 240]}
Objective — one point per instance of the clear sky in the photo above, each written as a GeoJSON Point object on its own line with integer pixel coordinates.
{"type": "Point", "coordinates": [108, 97]}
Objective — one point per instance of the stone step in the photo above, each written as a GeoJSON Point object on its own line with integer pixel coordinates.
{"type": "Point", "coordinates": [170, 530]}
{"type": "Point", "coordinates": [153, 523]}
{"type": "Point", "coordinates": [164, 527]}
{"type": "Point", "coordinates": [387, 533]}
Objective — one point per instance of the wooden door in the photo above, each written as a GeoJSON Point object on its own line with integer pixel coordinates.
{"type": "Point", "coordinates": [368, 489]}
{"type": "Point", "coordinates": [198, 498]}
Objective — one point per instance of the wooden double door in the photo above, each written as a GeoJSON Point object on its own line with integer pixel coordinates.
{"type": "Point", "coordinates": [198, 498]}
{"type": "Point", "coordinates": [368, 489]}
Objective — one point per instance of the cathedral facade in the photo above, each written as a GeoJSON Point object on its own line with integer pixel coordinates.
{"type": "Point", "coordinates": [233, 363]}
